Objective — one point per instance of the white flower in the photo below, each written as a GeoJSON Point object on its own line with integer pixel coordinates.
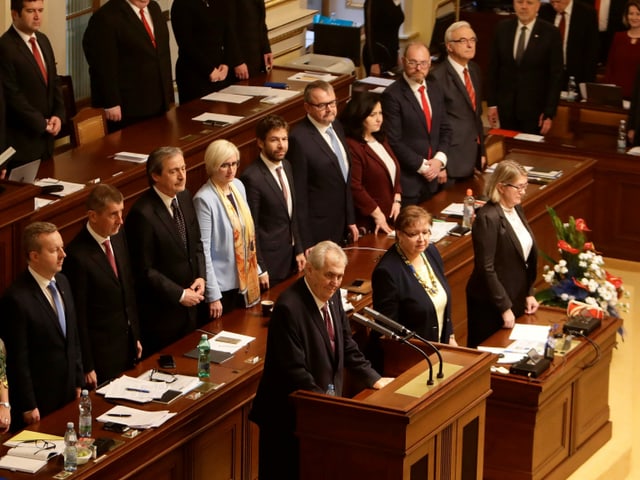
{"type": "Point", "coordinates": [564, 297]}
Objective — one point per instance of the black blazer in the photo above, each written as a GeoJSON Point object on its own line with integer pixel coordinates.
{"type": "Point", "coordinates": [324, 201]}
{"type": "Point", "coordinates": [382, 20]}
{"type": "Point", "coordinates": [44, 367]}
{"type": "Point", "coordinates": [523, 92]}
{"type": "Point", "coordinates": [299, 356]}
{"type": "Point", "coordinates": [398, 294]}
{"type": "Point", "coordinates": [582, 42]}
{"type": "Point", "coordinates": [105, 304]}
{"type": "Point", "coordinates": [249, 29]}
{"type": "Point", "coordinates": [124, 66]}
{"type": "Point", "coordinates": [502, 278]}
{"type": "Point", "coordinates": [407, 133]}
{"type": "Point", "coordinates": [275, 229]}
{"type": "Point", "coordinates": [30, 102]}
{"type": "Point", "coordinates": [163, 268]}
{"type": "Point", "coordinates": [464, 150]}
{"type": "Point", "coordinates": [205, 41]}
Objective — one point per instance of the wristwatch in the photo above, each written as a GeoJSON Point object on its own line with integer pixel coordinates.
{"type": "Point", "coordinates": [6, 405]}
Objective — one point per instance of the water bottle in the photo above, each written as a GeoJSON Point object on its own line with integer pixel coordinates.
{"type": "Point", "coordinates": [572, 90]}
{"type": "Point", "coordinates": [70, 449]}
{"type": "Point", "coordinates": [203, 357]}
{"type": "Point", "coordinates": [331, 390]}
{"type": "Point", "coordinates": [84, 422]}
{"type": "Point", "coordinates": [468, 209]}
{"type": "Point", "coordinates": [622, 136]}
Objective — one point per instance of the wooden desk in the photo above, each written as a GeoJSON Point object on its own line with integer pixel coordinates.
{"type": "Point", "coordinates": [95, 161]}
{"type": "Point", "coordinates": [547, 427]}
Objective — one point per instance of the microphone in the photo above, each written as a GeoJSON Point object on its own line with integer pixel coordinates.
{"type": "Point", "coordinates": [392, 324]}
{"type": "Point", "coordinates": [386, 332]}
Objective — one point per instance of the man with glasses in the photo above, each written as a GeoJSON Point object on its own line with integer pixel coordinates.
{"type": "Point", "coordinates": [460, 80]}
{"type": "Point", "coordinates": [322, 171]}
{"type": "Point", "coordinates": [417, 127]}
{"type": "Point", "coordinates": [525, 71]}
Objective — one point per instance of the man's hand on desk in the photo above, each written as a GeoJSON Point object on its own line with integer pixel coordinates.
{"type": "Point", "coordinates": [32, 416]}
{"type": "Point", "coordinates": [241, 71]}
{"type": "Point", "coordinates": [383, 382]}
{"type": "Point", "coordinates": [268, 61]}
{"type": "Point", "coordinates": [220, 73]}
{"type": "Point", "coordinates": [544, 124]}
{"type": "Point", "coordinates": [113, 114]}
{"type": "Point", "coordinates": [508, 319]}
{"type": "Point", "coordinates": [91, 379]}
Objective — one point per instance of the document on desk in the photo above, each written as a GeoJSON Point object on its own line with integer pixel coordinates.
{"type": "Point", "coordinates": [279, 95]}
{"type": "Point", "coordinates": [174, 381]}
{"type": "Point", "coordinates": [453, 209]}
{"type": "Point", "coordinates": [382, 82]}
{"type": "Point", "coordinates": [133, 389]}
{"type": "Point", "coordinates": [135, 418]}
{"type": "Point", "coordinates": [68, 187]}
{"type": "Point", "coordinates": [217, 117]}
{"type": "Point", "coordinates": [226, 97]}
{"type": "Point", "coordinates": [526, 336]}
{"type": "Point", "coordinates": [229, 342]}
{"type": "Point", "coordinates": [249, 90]}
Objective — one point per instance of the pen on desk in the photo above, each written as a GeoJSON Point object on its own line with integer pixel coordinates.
{"type": "Point", "coordinates": [93, 181]}
{"type": "Point", "coordinates": [100, 458]}
{"type": "Point", "coordinates": [121, 415]}
{"type": "Point", "coordinates": [141, 390]}
{"type": "Point", "coordinates": [117, 173]}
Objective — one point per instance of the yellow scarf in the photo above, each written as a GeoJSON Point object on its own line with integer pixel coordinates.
{"type": "Point", "coordinates": [244, 244]}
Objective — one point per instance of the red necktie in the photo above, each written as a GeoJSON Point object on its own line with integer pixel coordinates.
{"type": "Point", "coordinates": [562, 25]}
{"type": "Point", "coordinates": [38, 57]}
{"type": "Point", "coordinates": [469, 86]}
{"type": "Point", "coordinates": [329, 325]}
{"type": "Point", "coordinates": [112, 260]}
{"type": "Point", "coordinates": [147, 28]}
{"type": "Point", "coordinates": [425, 107]}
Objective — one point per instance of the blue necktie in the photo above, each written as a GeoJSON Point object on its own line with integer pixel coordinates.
{"type": "Point", "coordinates": [335, 144]}
{"type": "Point", "coordinates": [57, 301]}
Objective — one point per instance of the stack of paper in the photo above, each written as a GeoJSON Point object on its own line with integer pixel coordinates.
{"type": "Point", "coordinates": [229, 342]}
{"type": "Point", "coordinates": [131, 157]}
{"type": "Point", "coordinates": [133, 389]}
{"type": "Point", "coordinates": [135, 418]}
{"type": "Point", "coordinates": [67, 187]}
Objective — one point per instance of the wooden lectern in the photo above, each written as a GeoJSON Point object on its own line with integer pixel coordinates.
{"type": "Point", "coordinates": [404, 431]}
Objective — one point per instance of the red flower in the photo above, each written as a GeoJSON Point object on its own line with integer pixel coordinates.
{"type": "Point", "coordinates": [562, 245]}
{"type": "Point", "coordinates": [615, 281]}
{"type": "Point", "coordinates": [589, 246]}
{"type": "Point", "coordinates": [581, 225]}
{"type": "Point", "coordinates": [578, 284]}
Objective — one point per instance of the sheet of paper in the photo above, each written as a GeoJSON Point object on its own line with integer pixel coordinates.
{"type": "Point", "coordinates": [38, 202]}
{"type": "Point", "coordinates": [69, 187]}
{"type": "Point", "coordinates": [453, 209]}
{"type": "Point", "coordinates": [279, 95]}
{"type": "Point", "coordinates": [229, 342]}
{"type": "Point", "coordinates": [217, 117]}
{"type": "Point", "coordinates": [252, 91]}
{"type": "Point", "coordinates": [439, 230]}
{"type": "Point", "coordinates": [31, 436]}
{"type": "Point", "coordinates": [226, 97]}
{"type": "Point", "coordinates": [182, 383]}
{"type": "Point", "coordinates": [529, 137]}
{"type": "Point", "coordinates": [21, 464]}
{"type": "Point", "coordinates": [133, 389]}
{"type": "Point", "coordinates": [383, 82]}
{"type": "Point", "coordinates": [525, 331]}
{"type": "Point", "coordinates": [311, 77]}
{"type": "Point", "coordinates": [131, 157]}
{"type": "Point", "coordinates": [135, 418]}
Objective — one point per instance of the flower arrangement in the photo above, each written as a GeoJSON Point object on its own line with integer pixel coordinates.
{"type": "Point", "coordinates": [579, 274]}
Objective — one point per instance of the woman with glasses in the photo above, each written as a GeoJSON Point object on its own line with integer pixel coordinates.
{"type": "Point", "coordinates": [5, 408]}
{"type": "Point", "coordinates": [375, 173]}
{"type": "Point", "coordinates": [409, 284]}
{"type": "Point", "coordinates": [500, 288]}
{"type": "Point", "coordinates": [228, 234]}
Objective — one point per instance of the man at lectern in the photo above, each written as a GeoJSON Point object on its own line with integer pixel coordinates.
{"type": "Point", "coordinates": [308, 346]}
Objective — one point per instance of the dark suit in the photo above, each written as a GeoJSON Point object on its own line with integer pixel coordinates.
{"type": "Point", "coordinates": [582, 41]}
{"type": "Point", "coordinates": [523, 92]}
{"type": "Point", "coordinates": [163, 267]}
{"type": "Point", "coordinates": [634, 111]}
{"type": "Point", "coordinates": [464, 150]}
{"type": "Point", "coordinates": [205, 41]}
{"type": "Point", "coordinates": [247, 24]}
{"type": "Point", "coordinates": [406, 129]}
{"type": "Point", "coordinates": [371, 184]}
{"type": "Point", "coordinates": [382, 20]}
{"type": "Point", "coordinates": [30, 102]}
{"type": "Point", "coordinates": [275, 229]}
{"type": "Point", "coordinates": [400, 296]}
{"type": "Point", "coordinates": [124, 66]}
{"type": "Point", "coordinates": [44, 366]}
{"type": "Point", "coordinates": [614, 24]}
{"type": "Point", "coordinates": [299, 357]}
{"type": "Point", "coordinates": [502, 278]}
{"type": "Point", "coordinates": [325, 205]}
{"type": "Point", "coordinates": [105, 304]}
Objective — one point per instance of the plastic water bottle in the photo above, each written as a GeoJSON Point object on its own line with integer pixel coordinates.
{"type": "Point", "coordinates": [572, 90]}
{"type": "Point", "coordinates": [84, 422]}
{"type": "Point", "coordinates": [468, 209]}
{"type": "Point", "coordinates": [331, 390]}
{"type": "Point", "coordinates": [70, 449]}
{"type": "Point", "coordinates": [204, 348]}
{"type": "Point", "coordinates": [622, 136]}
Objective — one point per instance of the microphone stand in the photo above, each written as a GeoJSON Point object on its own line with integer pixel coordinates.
{"type": "Point", "coordinates": [392, 324]}
{"type": "Point", "coordinates": [386, 332]}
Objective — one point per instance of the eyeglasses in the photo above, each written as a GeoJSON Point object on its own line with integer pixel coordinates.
{"type": "Point", "coordinates": [466, 41]}
{"type": "Point", "coordinates": [228, 165]}
{"type": "Point", "coordinates": [323, 106]}
{"type": "Point", "coordinates": [520, 188]}
{"type": "Point", "coordinates": [162, 376]}
{"type": "Point", "coordinates": [415, 63]}
{"type": "Point", "coordinates": [40, 445]}
{"type": "Point", "coordinates": [413, 235]}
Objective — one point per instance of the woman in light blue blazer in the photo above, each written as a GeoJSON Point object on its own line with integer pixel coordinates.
{"type": "Point", "coordinates": [228, 234]}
